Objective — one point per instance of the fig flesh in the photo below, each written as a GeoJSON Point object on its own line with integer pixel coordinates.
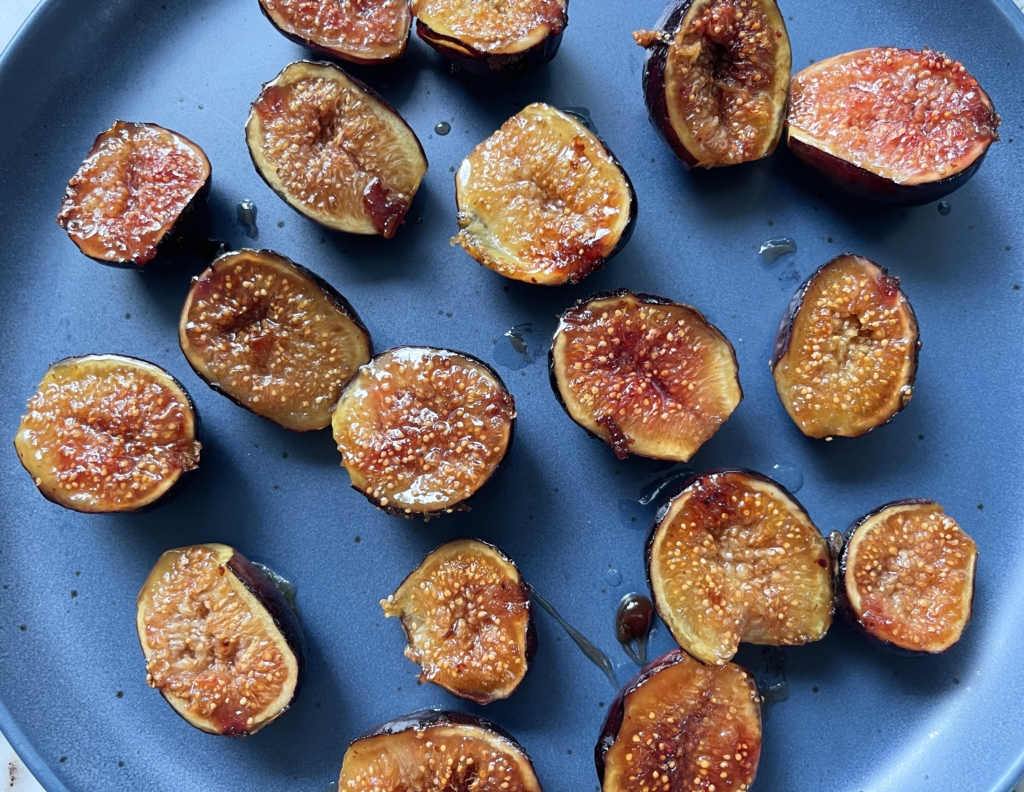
{"type": "Point", "coordinates": [273, 337]}
{"type": "Point", "coordinates": [542, 200]}
{"type": "Point", "coordinates": [681, 725]}
{"type": "Point", "coordinates": [894, 125]}
{"type": "Point", "coordinates": [420, 429]}
{"type": "Point", "coordinates": [716, 79]}
{"type": "Point", "coordinates": [108, 433]}
{"type": "Point", "coordinates": [846, 351]}
{"type": "Point", "coordinates": [334, 150]}
{"type": "Point", "coordinates": [907, 576]}
{"type": "Point", "coordinates": [221, 644]}
{"type": "Point", "coordinates": [734, 558]}
{"type": "Point", "coordinates": [133, 192]}
{"type": "Point", "coordinates": [467, 615]}
{"type": "Point", "coordinates": [648, 376]}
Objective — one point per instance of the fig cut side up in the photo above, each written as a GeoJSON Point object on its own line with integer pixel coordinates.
{"type": "Point", "coordinates": [273, 337]}
{"type": "Point", "coordinates": [846, 351]}
{"type": "Point", "coordinates": [734, 558]}
{"type": "Point", "coordinates": [221, 643]}
{"type": "Point", "coordinates": [134, 192]}
{"type": "Point", "coordinates": [907, 577]}
{"type": "Point", "coordinates": [893, 125]}
{"type": "Point", "coordinates": [108, 433]}
{"type": "Point", "coordinates": [334, 150]}
{"type": "Point", "coordinates": [542, 200]}
{"type": "Point", "coordinates": [648, 376]}
{"type": "Point", "coordinates": [716, 79]}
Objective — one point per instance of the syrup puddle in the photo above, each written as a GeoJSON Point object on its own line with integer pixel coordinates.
{"type": "Point", "coordinates": [633, 622]}
{"type": "Point", "coordinates": [591, 652]}
{"type": "Point", "coordinates": [774, 249]}
{"type": "Point", "coordinates": [518, 352]}
{"type": "Point", "coordinates": [246, 213]}
{"type": "Point", "coordinates": [770, 675]}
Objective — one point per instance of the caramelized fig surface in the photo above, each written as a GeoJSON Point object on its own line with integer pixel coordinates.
{"type": "Point", "coordinates": [716, 79]}
{"type": "Point", "coordinates": [222, 645]}
{"type": "Point", "coordinates": [273, 337]}
{"type": "Point", "coordinates": [846, 351]}
{"type": "Point", "coordinates": [648, 376]}
{"type": "Point", "coordinates": [895, 125]}
{"type": "Point", "coordinates": [108, 433]}
{"type": "Point", "coordinates": [542, 200]}
{"type": "Point", "coordinates": [907, 576]}
{"type": "Point", "coordinates": [138, 183]}
{"type": "Point", "coordinates": [734, 558]}
{"type": "Point", "coordinates": [334, 150]}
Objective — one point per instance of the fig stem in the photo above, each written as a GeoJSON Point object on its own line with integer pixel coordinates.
{"type": "Point", "coordinates": [595, 655]}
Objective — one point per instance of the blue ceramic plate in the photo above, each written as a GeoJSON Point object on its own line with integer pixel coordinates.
{"type": "Point", "coordinates": [73, 697]}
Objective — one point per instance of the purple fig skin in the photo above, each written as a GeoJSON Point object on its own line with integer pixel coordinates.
{"type": "Point", "coordinates": [482, 64]}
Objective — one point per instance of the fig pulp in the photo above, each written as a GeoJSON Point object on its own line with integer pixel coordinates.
{"type": "Point", "coordinates": [648, 376]}
{"type": "Point", "coordinates": [734, 558]}
{"type": "Point", "coordinates": [908, 576]}
{"type": "Point", "coordinates": [273, 337]}
{"type": "Point", "coordinates": [222, 645]}
{"type": "Point", "coordinates": [360, 31]}
{"type": "Point", "coordinates": [716, 78]}
{"type": "Point", "coordinates": [680, 725]}
{"type": "Point", "coordinates": [136, 186]}
{"type": "Point", "coordinates": [435, 750]}
{"type": "Point", "coordinates": [895, 125]}
{"type": "Point", "coordinates": [108, 433]}
{"type": "Point", "coordinates": [420, 429]}
{"type": "Point", "coordinates": [846, 350]}
{"type": "Point", "coordinates": [542, 200]}
{"type": "Point", "coordinates": [334, 150]}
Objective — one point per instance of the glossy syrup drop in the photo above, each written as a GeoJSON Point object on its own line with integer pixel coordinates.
{"type": "Point", "coordinates": [789, 476]}
{"type": "Point", "coordinates": [591, 652]}
{"type": "Point", "coordinates": [517, 353]}
{"type": "Point", "coordinates": [774, 249]}
{"type": "Point", "coordinates": [613, 576]}
{"type": "Point", "coordinates": [246, 213]}
{"type": "Point", "coordinates": [443, 128]}
{"type": "Point", "coordinates": [633, 621]}
{"type": "Point", "coordinates": [771, 676]}
{"type": "Point", "coordinates": [944, 208]}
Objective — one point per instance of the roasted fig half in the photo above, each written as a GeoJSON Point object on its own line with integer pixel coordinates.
{"type": "Point", "coordinates": [466, 613]}
{"type": "Point", "coordinates": [716, 79]}
{"type": "Point", "coordinates": [734, 558]}
{"type": "Point", "coordinates": [907, 576]}
{"type": "Point", "coordinates": [542, 200]}
{"type": "Point", "coordinates": [435, 750]}
{"type": "Point", "coordinates": [221, 643]}
{"type": "Point", "coordinates": [648, 376]}
{"type": "Point", "coordinates": [108, 433]}
{"type": "Point", "coordinates": [507, 38]}
{"type": "Point", "coordinates": [894, 125]}
{"type": "Point", "coordinates": [846, 350]}
{"type": "Point", "coordinates": [421, 429]}
{"type": "Point", "coordinates": [681, 725]}
{"type": "Point", "coordinates": [334, 150]}
{"type": "Point", "coordinates": [273, 337]}
{"type": "Point", "coordinates": [361, 31]}
{"type": "Point", "coordinates": [134, 191]}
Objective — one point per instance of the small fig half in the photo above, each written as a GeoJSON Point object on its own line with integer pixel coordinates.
{"type": "Point", "coordinates": [907, 576]}
{"type": "Point", "coordinates": [334, 150]}
{"type": "Point", "coordinates": [108, 433]}
{"type": "Point", "coordinates": [648, 376]}
{"type": "Point", "coordinates": [273, 337]}
{"type": "Point", "coordinates": [221, 643]}
{"type": "Point", "coordinates": [894, 125]}
{"type": "Point", "coordinates": [734, 558]}
{"type": "Point", "coordinates": [716, 79]}
{"type": "Point", "coordinates": [542, 200]}
{"type": "Point", "coordinates": [845, 354]}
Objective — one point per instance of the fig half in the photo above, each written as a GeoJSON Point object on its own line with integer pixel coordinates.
{"type": "Point", "coordinates": [846, 351]}
{"type": "Point", "coordinates": [681, 725]}
{"type": "Point", "coordinates": [648, 376]}
{"type": "Point", "coordinates": [467, 615]}
{"type": "Point", "coordinates": [716, 79]}
{"type": "Point", "coordinates": [542, 200]}
{"type": "Point", "coordinates": [734, 558]}
{"type": "Point", "coordinates": [907, 576]}
{"type": "Point", "coordinates": [221, 643]}
{"type": "Point", "coordinates": [133, 192]}
{"type": "Point", "coordinates": [273, 337]}
{"type": "Point", "coordinates": [334, 150]}
{"type": "Point", "coordinates": [108, 433]}
{"type": "Point", "coordinates": [894, 125]}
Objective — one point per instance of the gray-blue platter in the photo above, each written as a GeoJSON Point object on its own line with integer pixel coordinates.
{"type": "Point", "coordinates": [73, 698]}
